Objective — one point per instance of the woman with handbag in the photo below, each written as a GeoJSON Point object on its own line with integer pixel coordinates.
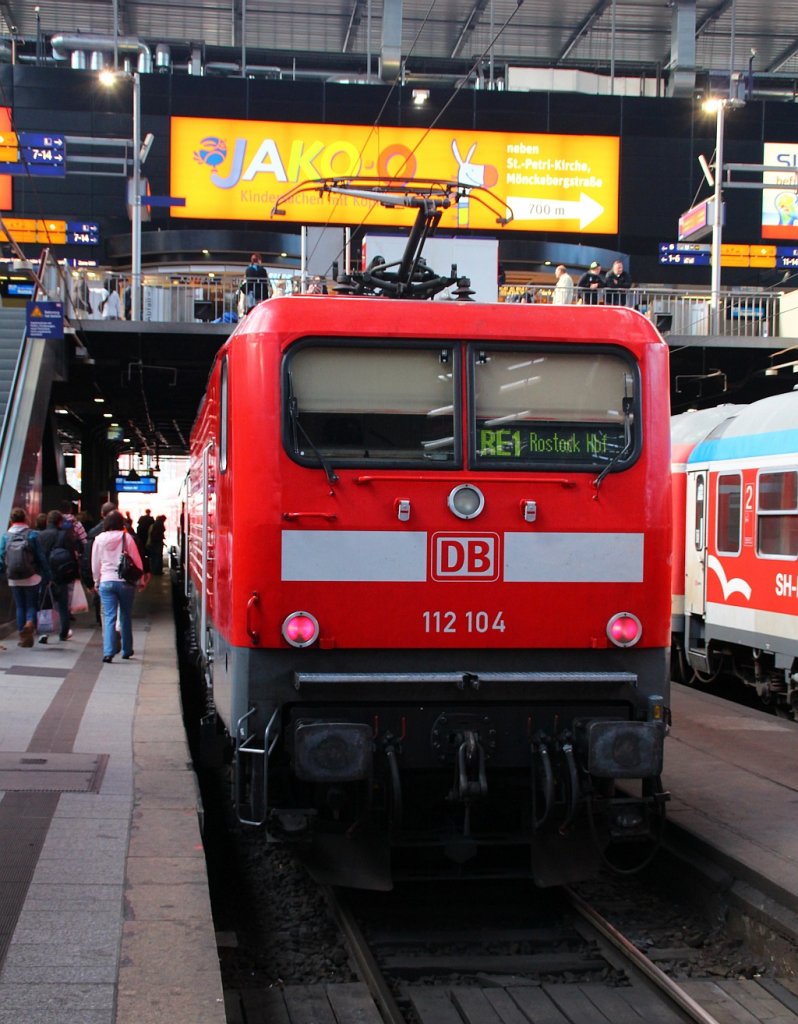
{"type": "Point", "coordinates": [112, 554]}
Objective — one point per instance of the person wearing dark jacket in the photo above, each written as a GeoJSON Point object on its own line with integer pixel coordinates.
{"type": "Point", "coordinates": [59, 533]}
{"type": "Point", "coordinates": [25, 588]}
{"type": "Point", "coordinates": [616, 283]}
{"type": "Point", "coordinates": [590, 285]}
{"type": "Point", "coordinates": [256, 285]}
{"type": "Point", "coordinates": [155, 545]}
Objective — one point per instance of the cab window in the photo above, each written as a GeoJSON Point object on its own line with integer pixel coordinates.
{"type": "Point", "coordinates": [553, 408]}
{"type": "Point", "coordinates": [359, 405]}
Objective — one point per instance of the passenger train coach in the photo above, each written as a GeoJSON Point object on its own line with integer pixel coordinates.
{"type": "Point", "coordinates": [738, 467]}
{"type": "Point", "coordinates": [428, 568]}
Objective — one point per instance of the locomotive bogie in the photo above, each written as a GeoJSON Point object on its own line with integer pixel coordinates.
{"type": "Point", "coordinates": [429, 557]}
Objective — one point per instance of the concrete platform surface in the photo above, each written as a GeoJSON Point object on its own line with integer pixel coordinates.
{"type": "Point", "coordinates": [105, 916]}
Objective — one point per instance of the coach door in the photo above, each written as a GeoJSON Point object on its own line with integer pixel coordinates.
{"type": "Point", "coordinates": [695, 546]}
{"type": "Point", "coordinates": [205, 550]}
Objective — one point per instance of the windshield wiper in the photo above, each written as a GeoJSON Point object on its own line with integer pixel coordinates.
{"type": "Point", "coordinates": [293, 412]}
{"type": "Point", "coordinates": [628, 416]}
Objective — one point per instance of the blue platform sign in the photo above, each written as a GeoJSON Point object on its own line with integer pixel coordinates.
{"type": "Point", "coordinates": [82, 232]}
{"type": "Point", "coordinates": [786, 257]}
{"type": "Point", "coordinates": [144, 485]}
{"type": "Point", "coordinates": [45, 320]}
{"type": "Point", "coordinates": [42, 154]}
{"type": "Point", "coordinates": [684, 254]}
{"type": "Point", "coordinates": [41, 140]}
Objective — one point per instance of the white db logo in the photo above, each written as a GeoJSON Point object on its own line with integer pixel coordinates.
{"type": "Point", "coordinates": [465, 556]}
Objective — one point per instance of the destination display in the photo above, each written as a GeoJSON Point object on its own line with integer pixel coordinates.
{"type": "Point", "coordinates": [560, 442]}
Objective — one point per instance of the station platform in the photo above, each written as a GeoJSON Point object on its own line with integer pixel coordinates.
{"type": "Point", "coordinates": [105, 914]}
{"type": "Point", "coordinates": [732, 773]}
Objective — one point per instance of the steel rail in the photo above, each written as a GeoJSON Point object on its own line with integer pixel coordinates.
{"type": "Point", "coordinates": [366, 965]}
{"type": "Point", "coordinates": [685, 1002]}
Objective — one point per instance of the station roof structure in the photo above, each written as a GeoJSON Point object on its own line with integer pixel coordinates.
{"type": "Point", "coordinates": [428, 37]}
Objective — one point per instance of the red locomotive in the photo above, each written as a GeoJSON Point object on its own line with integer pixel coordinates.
{"type": "Point", "coordinates": [741, 550]}
{"type": "Point", "coordinates": [428, 568]}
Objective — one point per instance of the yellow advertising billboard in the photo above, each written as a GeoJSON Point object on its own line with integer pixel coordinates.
{"type": "Point", "coordinates": [5, 179]}
{"type": "Point", "coordinates": [237, 170]}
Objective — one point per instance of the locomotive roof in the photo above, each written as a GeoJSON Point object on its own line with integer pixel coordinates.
{"type": "Point", "coordinates": [767, 427]}
{"type": "Point", "coordinates": [348, 317]}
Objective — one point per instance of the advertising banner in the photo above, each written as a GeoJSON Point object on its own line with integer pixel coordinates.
{"type": "Point", "coordinates": [780, 199]}
{"type": "Point", "coordinates": [6, 201]}
{"type": "Point", "coordinates": [237, 170]}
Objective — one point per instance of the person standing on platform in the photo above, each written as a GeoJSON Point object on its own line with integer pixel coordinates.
{"type": "Point", "coordinates": [155, 545]}
{"type": "Point", "coordinates": [60, 534]}
{"type": "Point", "coordinates": [22, 561]}
{"type": "Point", "coordinates": [85, 558]}
{"type": "Point", "coordinates": [256, 286]}
{"type": "Point", "coordinates": [143, 529]}
{"type": "Point", "coordinates": [616, 283]}
{"type": "Point", "coordinates": [590, 285]}
{"type": "Point", "coordinates": [112, 307]}
{"type": "Point", "coordinates": [564, 288]}
{"type": "Point", "coordinates": [116, 595]}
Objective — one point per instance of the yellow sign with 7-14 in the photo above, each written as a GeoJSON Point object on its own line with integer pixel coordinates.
{"type": "Point", "coordinates": [237, 170]}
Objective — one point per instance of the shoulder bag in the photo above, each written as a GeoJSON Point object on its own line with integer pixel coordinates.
{"type": "Point", "coordinates": [127, 569]}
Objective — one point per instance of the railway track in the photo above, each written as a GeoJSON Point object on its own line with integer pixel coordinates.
{"type": "Point", "coordinates": [571, 966]}
{"type": "Point", "coordinates": [492, 989]}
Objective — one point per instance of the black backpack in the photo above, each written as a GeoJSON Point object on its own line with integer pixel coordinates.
{"type": "Point", "coordinates": [20, 563]}
{"type": "Point", "coordinates": [63, 564]}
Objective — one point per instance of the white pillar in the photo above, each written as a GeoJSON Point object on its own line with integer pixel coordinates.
{"type": "Point", "coordinates": [717, 220]}
{"type": "Point", "coordinates": [135, 243]}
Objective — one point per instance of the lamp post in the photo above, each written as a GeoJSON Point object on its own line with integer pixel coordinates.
{"type": "Point", "coordinates": [718, 106]}
{"type": "Point", "coordinates": [109, 79]}
{"type": "Point", "coordinates": [135, 240]}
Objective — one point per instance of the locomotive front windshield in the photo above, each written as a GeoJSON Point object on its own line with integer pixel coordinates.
{"type": "Point", "coordinates": [364, 404]}
{"type": "Point", "coordinates": [527, 407]}
{"type": "Point", "coordinates": [565, 407]}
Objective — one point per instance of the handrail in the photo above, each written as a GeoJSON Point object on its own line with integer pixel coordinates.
{"type": "Point", "coordinates": [196, 297]}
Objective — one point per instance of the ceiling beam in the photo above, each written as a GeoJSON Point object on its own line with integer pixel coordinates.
{"type": "Point", "coordinates": [584, 26]}
{"type": "Point", "coordinates": [355, 18]}
{"type": "Point", "coordinates": [469, 25]}
{"type": "Point", "coordinates": [702, 24]}
{"type": "Point", "coordinates": [9, 17]}
{"type": "Point", "coordinates": [778, 62]}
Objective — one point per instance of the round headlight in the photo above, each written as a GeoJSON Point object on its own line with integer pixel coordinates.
{"type": "Point", "coordinates": [300, 629]}
{"type": "Point", "coordinates": [624, 629]}
{"type": "Point", "coordinates": [466, 501]}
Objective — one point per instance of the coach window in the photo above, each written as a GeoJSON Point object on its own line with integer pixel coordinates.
{"type": "Point", "coordinates": [777, 514]}
{"type": "Point", "coordinates": [730, 494]}
{"type": "Point", "coordinates": [566, 408]}
{"type": "Point", "coordinates": [223, 416]}
{"type": "Point", "coordinates": [358, 405]}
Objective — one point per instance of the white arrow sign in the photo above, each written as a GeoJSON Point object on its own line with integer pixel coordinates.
{"type": "Point", "coordinates": [584, 209]}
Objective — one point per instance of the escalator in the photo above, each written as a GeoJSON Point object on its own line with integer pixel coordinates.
{"type": "Point", "coordinates": [28, 367]}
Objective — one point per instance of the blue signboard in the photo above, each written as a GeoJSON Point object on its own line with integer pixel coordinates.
{"type": "Point", "coordinates": [144, 485]}
{"type": "Point", "coordinates": [786, 257]}
{"type": "Point", "coordinates": [41, 154]}
{"type": "Point", "coordinates": [45, 320]}
{"type": "Point", "coordinates": [42, 140]}
{"type": "Point", "coordinates": [684, 254]}
{"type": "Point", "coordinates": [80, 232]}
